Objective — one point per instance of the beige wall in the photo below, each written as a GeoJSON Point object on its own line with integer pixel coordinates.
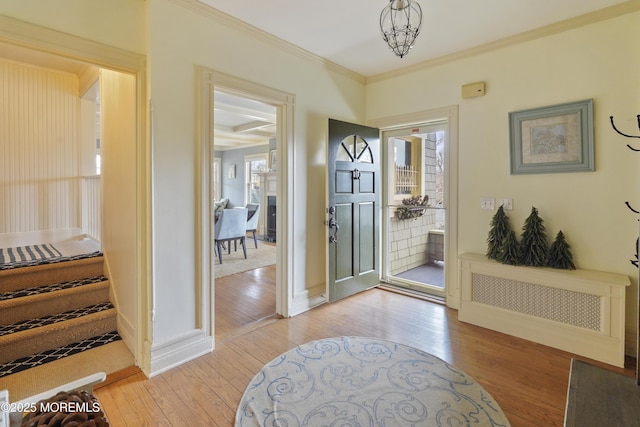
{"type": "Point", "coordinates": [180, 39]}
{"type": "Point", "coordinates": [599, 61]}
{"type": "Point", "coordinates": [119, 23]}
{"type": "Point", "coordinates": [119, 197]}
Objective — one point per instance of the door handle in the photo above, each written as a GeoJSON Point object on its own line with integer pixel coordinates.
{"type": "Point", "coordinates": [334, 224]}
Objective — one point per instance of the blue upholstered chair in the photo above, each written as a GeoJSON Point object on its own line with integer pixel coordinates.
{"type": "Point", "coordinates": [253, 215]}
{"type": "Point", "coordinates": [230, 227]}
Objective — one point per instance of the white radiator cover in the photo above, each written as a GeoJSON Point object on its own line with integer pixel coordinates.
{"type": "Point", "coordinates": [579, 311]}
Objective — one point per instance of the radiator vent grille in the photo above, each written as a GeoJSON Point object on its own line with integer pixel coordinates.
{"type": "Point", "coordinates": [568, 307]}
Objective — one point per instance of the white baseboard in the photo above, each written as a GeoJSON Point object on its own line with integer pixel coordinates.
{"type": "Point", "coordinates": [127, 332]}
{"type": "Point", "coordinates": [306, 300]}
{"type": "Point", "coordinates": [179, 350]}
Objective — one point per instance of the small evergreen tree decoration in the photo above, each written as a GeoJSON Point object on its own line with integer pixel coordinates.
{"type": "Point", "coordinates": [510, 253]}
{"type": "Point", "coordinates": [560, 255]}
{"type": "Point", "coordinates": [534, 245]}
{"type": "Point", "coordinates": [498, 232]}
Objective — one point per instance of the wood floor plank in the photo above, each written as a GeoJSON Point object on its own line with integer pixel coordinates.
{"type": "Point", "coordinates": [528, 380]}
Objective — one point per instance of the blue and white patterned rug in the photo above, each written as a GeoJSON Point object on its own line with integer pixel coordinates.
{"type": "Point", "coordinates": [355, 381]}
{"type": "Point", "coordinates": [50, 253]}
{"type": "Point", "coordinates": [25, 254]}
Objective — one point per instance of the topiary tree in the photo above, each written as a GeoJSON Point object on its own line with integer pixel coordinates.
{"type": "Point", "coordinates": [510, 253]}
{"type": "Point", "coordinates": [534, 245]}
{"type": "Point", "coordinates": [498, 232]}
{"type": "Point", "coordinates": [560, 254]}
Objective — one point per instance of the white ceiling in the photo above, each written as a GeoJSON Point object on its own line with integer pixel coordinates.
{"type": "Point", "coordinates": [240, 122]}
{"type": "Point", "coordinates": [348, 33]}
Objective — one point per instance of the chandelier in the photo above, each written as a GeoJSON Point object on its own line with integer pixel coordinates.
{"type": "Point", "coordinates": [400, 24]}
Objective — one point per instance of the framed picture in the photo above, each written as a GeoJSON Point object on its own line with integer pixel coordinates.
{"type": "Point", "coordinates": [552, 139]}
{"type": "Point", "coordinates": [273, 160]}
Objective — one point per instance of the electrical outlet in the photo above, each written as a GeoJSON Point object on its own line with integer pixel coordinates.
{"type": "Point", "coordinates": [507, 204]}
{"type": "Point", "coordinates": [487, 203]}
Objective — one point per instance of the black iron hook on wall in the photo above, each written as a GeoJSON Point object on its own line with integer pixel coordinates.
{"type": "Point", "coordinates": [624, 134]}
{"type": "Point", "coordinates": [613, 125]}
{"type": "Point", "coordinates": [634, 261]}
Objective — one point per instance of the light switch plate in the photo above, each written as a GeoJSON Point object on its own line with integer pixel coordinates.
{"type": "Point", "coordinates": [507, 204]}
{"type": "Point", "coordinates": [487, 203]}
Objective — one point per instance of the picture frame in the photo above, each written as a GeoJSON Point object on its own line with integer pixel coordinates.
{"type": "Point", "coordinates": [231, 174]}
{"type": "Point", "coordinates": [273, 160]}
{"type": "Point", "coordinates": [553, 139]}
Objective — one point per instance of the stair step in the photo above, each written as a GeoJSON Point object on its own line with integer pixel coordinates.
{"type": "Point", "coordinates": [41, 301]}
{"type": "Point", "coordinates": [28, 362]}
{"type": "Point", "coordinates": [48, 320]}
{"type": "Point", "coordinates": [55, 335]}
{"type": "Point", "coordinates": [64, 270]}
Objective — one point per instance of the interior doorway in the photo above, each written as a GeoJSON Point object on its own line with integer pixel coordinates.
{"type": "Point", "coordinates": [210, 81]}
{"type": "Point", "coordinates": [244, 135]}
{"type": "Point", "coordinates": [415, 209]}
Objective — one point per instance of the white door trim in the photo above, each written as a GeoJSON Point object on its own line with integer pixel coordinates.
{"type": "Point", "coordinates": [451, 183]}
{"type": "Point", "coordinates": [210, 80]}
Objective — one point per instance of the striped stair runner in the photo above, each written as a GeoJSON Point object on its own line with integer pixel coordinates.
{"type": "Point", "coordinates": [52, 310]}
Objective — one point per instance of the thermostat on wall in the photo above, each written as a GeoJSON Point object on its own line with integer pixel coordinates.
{"type": "Point", "coordinates": [473, 89]}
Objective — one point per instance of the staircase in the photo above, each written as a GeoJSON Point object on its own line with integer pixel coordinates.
{"type": "Point", "coordinates": [50, 311]}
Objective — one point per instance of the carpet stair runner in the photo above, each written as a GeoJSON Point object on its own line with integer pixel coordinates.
{"type": "Point", "coordinates": [53, 310]}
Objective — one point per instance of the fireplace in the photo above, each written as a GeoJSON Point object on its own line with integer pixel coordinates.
{"type": "Point", "coordinates": [271, 219]}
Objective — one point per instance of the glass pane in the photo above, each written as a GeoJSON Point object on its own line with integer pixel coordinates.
{"type": "Point", "coordinates": [257, 167]}
{"type": "Point", "coordinates": [417, 165]}
{"type": "Point", "coordinates": [366, 156]}
{"type": "Point", "coordinates": [343, 153]}
{"type": "Point", "coordinates": [361, 144]}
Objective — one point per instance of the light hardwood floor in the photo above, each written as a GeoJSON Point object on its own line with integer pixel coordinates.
{"type": "Point", "coordinates": [244, 301]}
{"type": "Point", "coordinates": [528, 380]}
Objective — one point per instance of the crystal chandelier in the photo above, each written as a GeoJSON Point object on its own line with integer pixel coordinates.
{"type": "Point", "coordinates": [400, 24]}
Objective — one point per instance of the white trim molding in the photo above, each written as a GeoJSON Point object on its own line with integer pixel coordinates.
{"type": "Point", "coordinates": [179, 350]}
{"type": "Point", "coordinates": [209, 81]}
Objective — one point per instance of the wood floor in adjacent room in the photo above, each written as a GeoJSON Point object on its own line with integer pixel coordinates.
{"type": "Point", "coordinates": [528, 380]}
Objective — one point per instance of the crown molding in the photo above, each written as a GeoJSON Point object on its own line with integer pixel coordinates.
{"type": "Point", "coordinates": [25, 34]}
{"type": "Point", "coordinates": [559, 27]}
{"type": "Point", "coordinates": [225, 19]}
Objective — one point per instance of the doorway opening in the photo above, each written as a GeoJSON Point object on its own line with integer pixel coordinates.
{"type": "Point", "coordinates": [415, 208]}
{"type": "Point", "coordinates": [244, 135]}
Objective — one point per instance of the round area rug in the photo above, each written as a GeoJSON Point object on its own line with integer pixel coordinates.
{"type": "Point", "coordinates": [355, 381]}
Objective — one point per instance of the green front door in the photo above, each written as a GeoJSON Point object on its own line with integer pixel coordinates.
{"type": "Point", "coordinates": [354, 208]}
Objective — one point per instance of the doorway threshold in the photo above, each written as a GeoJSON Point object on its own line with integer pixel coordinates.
{"type": "Point", "coordinates": [247, 328]}
{"type": "Point", "coordinates": [412, 293]}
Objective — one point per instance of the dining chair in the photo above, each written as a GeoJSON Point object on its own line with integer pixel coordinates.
{"type": "Point", "coordinates": [231, 227]}
{"type": "Point", "coordinates": [253, 215]}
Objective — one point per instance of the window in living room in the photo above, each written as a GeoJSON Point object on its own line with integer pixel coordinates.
{"type": "Point", "coordinates": [217, 165]}
{"type": "Point", "coordinates": [255, 164]}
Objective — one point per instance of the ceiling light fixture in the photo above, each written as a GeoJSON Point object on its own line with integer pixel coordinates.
{"type": "Point", "coordinates": [400, 24]}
